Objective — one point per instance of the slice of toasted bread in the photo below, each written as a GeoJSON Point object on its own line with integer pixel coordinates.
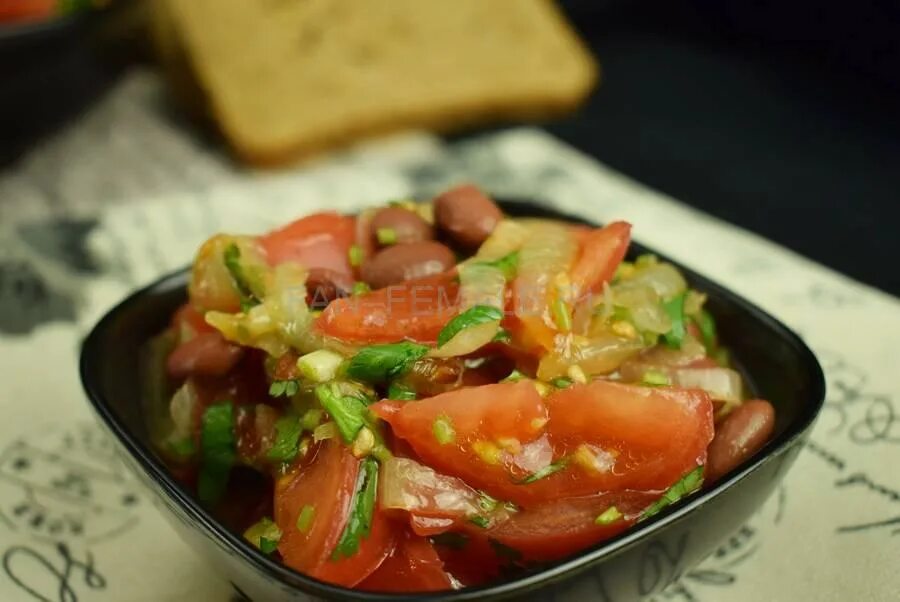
{"type": "Point", "coordinates": [291, 77]}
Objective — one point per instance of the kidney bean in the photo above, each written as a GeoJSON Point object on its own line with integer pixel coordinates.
{"type": "Point", "coordinates": [407, 226]}
{"type": "Point", "coordinates": [739, 436]}
{"type": "Point", "coordinates": [399, 263]}
{"type": "Point", "coordinates": [324, 286]}
{"type": "Point", "coordinates": [207, 354]}
{"type": "Point", "coordinates": [467, 215]}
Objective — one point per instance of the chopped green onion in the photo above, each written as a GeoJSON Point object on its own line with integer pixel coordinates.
{"type": "Point", "coordinates": [480, 521]}
{"type": "Point", "coordinates": [360, 288]}
{"type": "Point", "coordinates": [502, 336]}
{"type": "Point", "coordinates": [355, 256]}
{"type": "Point", "coordinates": [687, 484]}
{"type": "Point", "coordinates": [305, 518]}
{"type": "Point", "coordinates": [674, 308]}
{"type": "Point", "coordinates": [514, 376]}
{"type": "Point", "coordinates": [608, 516]}
{"type": "Point", "coordinates": [707, 326]}
{"type": "Point", "coordinates": [508, 264]}
{"type": "Point", "coordinates": [359, 524]}
{"type": "Point", "coordinates": [545, 471]}
{"type": "Point", "coordinates": [475, 315]}
{"type": "Point", "coordinates": [561, 382]}
{"type": "Point", "coordinates": [443, 430]}
{"type": "Point", "coordinates": [311, 419]}
{"type": "Point", "coordinates": [218, 450]}
{"type": "Point", "coordinates": [320, 365]}
{"type": "Point", "coordinates": [401, 392]}
{"type": "Point", "coordinates": [182, 448]}
{"type": "Point", "coordinates": [348, 412]}
{"type": "Point", "coordinates": [386, 236]}
{"type": "Point", "coordinates": [264, 534]}
{"type": "Point", "coordinates": [287, 388]}
{"type": "Point", "coordinates": [287, 439]}
{"type": "Point", "coordinates": [232, 258]}
{"type": "Point", "coordinates": [562, 317]}
{"type": "Point", "coordinates": [381, 363]}
{"type": "Point", "coordinates": [655, 378]}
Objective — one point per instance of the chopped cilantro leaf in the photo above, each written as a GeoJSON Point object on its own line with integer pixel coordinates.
{"type": "Point", "coordinates": [287, 438]}
{"type": "Point", "coordinates": [475, 315]}
{"type": "Point", "coordinates": [687, 484]}
{"type": "Point", "coordinates": [545, 471]}
{"type": "Point", "coordinates": [381, 363]}
{"type": "Point", "coordinates": [218, 450]}
{"type": "Point", "coordinates": [347, 411]}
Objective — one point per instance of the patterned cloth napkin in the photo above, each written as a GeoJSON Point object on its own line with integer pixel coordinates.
{"type": "Point", "coordinates": [127, 194]}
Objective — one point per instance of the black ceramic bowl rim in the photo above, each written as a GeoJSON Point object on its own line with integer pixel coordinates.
{"type": "Point", "coordinates": [157, 471]}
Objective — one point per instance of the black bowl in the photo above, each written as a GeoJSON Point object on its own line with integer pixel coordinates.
{"type": "Point", "coordinates": [777, 364]}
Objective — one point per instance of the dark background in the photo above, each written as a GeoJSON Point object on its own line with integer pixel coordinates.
{"type": "Point", "coordinates": [781, 117]}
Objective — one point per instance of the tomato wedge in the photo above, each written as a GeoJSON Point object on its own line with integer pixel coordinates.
{"type": "Point", "coordinates": [490, 424]}
{"type": "Point", "coordinates": [602, 251]}
{"type": "Point", "coordinates": [616, 437]}
{"type": "Point", "coordinates": [416, 310]}
{"type": "Point", "coordinates": [561, 528]}
{"type": "Point", "coordinates": [321, 240]}
{"type": "Point", "coordinates": [327, 485]}
{"type": "Point", "coordinates": [413, 566]}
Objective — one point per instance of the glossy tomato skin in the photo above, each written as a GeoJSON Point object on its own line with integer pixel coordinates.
{"type": "Point", "coordinates": [321, 240]}
{"type": "Point", "coordinates": [637, 438]}
{"type": "Point", "coordinates": [413, 566]}
{"type": "Point", "coordinates": [416, 310]}
{"type": "Point", "coordinates": [557, 529]}
{"type": "Point", "coordinates": [488, 423]}
{"type": "Point", "coordinates": [602, 250]}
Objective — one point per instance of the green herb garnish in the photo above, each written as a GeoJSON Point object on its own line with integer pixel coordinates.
{"type": "Point", "coordinates": [655, 378]}
{"type": "Point", "coordinates": [514, 376]}
{"type": "Point", "coordinates": [355, 255]}
{"type": "Point", "coordinates": [608, 516]}
{"type": "Point", "coordinates": [232, 258]}
{"type": "Point", "coordinates": [480, 521]}
{"type": "Point", "coordinates": [475, 315]}
{"type": "Point", "coordinates": [287, 388]}
{"type": "Point", "coordinates": [687, 484]}
{"type": "Point", "coordinates": [674, 308]}
{"type": "Point", "coordinates": [386, 236]}
{"type": "Point", "coordinates": [287, 439]}
{"type": "Point", "coordinates": [401, 392]}
{"type": "Point", "coordinates": [347, 411]}
{"type": "Point", "coordinates": [707, 326]}
{"type": "Point", "coordinates": [508, 264]}
{"type": "Point", "coordinates": [443, 430]}
{"type": "Point", "coordinates": [360, 288]}
{"type": "Point", "coordinates": [264, 534]}
{"type": "Point", "coordinates": [561, 382]}
{"type": "Point", "coordinates": [305, 518]}
{"type": "Point", "coordinates": [382, 363]}
{"type": "Point", "coordinates": [362, 510]}
{"type": "Point", "coordinates": [502, 336]}
{"type": "Point", "coordinates": [218, 450]}
{"type": "Point", "coordinates": [545, 471]}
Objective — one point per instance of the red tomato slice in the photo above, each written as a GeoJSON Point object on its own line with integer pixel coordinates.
{"type": "Point", "coordinates": [373, 550]}
{"type": "Point", "coordinates": [601, 253]}
{"type": "Point", "coordinates": [489, 422]}
{"type": "Point", "coordinates": [416, 310]}
{"type": "Point", "coordinates": [414, 566]}
{"type": "Point", "coordinates": [321, 240]}
{"type": "Point", "coordinates": [561, 528]}
{"type": "Point", "coordinates": [327, 484]}
{"type": "Point", "coordinates": [620, 437]}
{"type": "Point", "coordinates": [14, 10]}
